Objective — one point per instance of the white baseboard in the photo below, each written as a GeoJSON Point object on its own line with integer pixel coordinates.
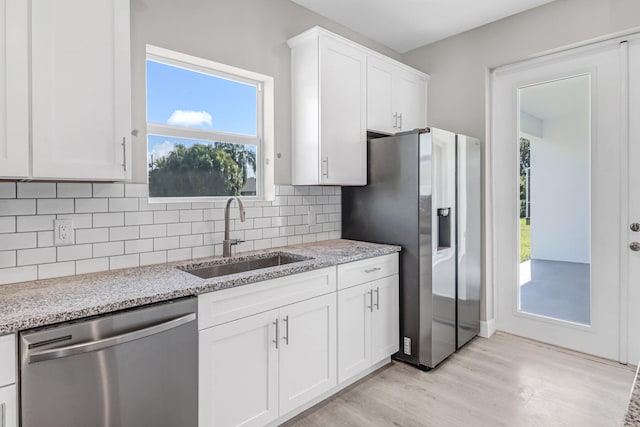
{"type": "Point", "coordinates": [487, 328]}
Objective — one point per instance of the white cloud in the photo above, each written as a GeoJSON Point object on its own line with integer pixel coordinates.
{"type": "Point", "coordinates": [161, 150]}
{"type": "Point", "coordinates": [190, 118]}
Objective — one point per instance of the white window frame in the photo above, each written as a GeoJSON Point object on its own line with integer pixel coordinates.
{"type": "Point", "coordinates": [264, 138]}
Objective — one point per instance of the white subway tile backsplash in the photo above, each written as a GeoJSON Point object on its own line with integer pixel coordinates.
{"type": "Point", "coordinates": [92, 265]}
{"type": "Point", "coordinates": [108, 249]}
{"type": "Point", "coordinates": [36, 256]}
{"type": "Point", "coordinates": [108, 190]}
{"type": "Point", "coordinates": [7, 259]}
{"type": "Point", "coordinates": [92, 235]}
{"type": "Point", "coordinates": [123, 205]}
{"type": "Point", "coordinates": [71, 190]}
{"type": "Point", "coordinates": [35, 190]}
{"type": "Point", "coordinates": [17, 207]}
{"type": "Point", "coordinates": [55, 206]}
{"type": "Point", "coordinates": [18, 241]}
{"type": "Point", "coordinates": [7, 224]}
{"type": "Point", "coordinates": [137, 246]}
{"type": "Point", "coordinates": [148, 231]}
{"type": "Point", "coordinates": [92, 205]}
{"type": "Point", "coordinates": [116, 226]}
{"type": "Point", "coordinates": [115, 219]}
{"type": "Point", "coordinates": [18, 274]}
{"type": "Point", "coordinates": [7, 190]}
{"type": "Point", "coordinates": [58, 269]}
{"type": "Point", "coordinates": [74, 252]}
{"type": "Point", "coordinates": [35, 223]}
{"type": "Point", "coordinates": [124, 261]}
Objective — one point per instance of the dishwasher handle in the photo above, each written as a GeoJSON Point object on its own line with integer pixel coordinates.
{"type": "Point", "coordinates": [86, 347]}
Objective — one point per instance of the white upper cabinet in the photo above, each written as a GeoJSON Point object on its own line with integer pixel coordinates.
{"type": "Point", "coordinates": [396, 96]}
{"type": "Point", "coordinates": [81, 91]}
{"type": "Point", "coordinates": [328, 110]}
{"type": "Point", "coordinates": [14, 89]}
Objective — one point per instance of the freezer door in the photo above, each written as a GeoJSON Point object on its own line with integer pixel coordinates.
{"type": "Point", "coordinates": [468, 238]}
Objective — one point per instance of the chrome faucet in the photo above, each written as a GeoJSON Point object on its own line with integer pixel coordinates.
{"type": "Point", "coordinates": [227, 243]}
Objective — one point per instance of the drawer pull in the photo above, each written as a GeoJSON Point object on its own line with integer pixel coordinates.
{"type": "Point", "coordinates": [373, 270]}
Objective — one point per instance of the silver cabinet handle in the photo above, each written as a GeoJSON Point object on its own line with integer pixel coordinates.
{"type": "Point", "coordinates": [86, 347]}
{"type": "Point", "coordinates": [373, 270]}
{"type": "Point", "coordinates": [634, 246]}
{"type": "Point", "coordinates": [370, 306]}
{"type": "Point", "coordinates": [400, 120]}
{"type": "Point", "coordinates": [124, 153]}
{"type": "Point", "coordinates": [286, 322]}
{"type": "Point", "coordinates": [395, 120]}
{"type": "Point", "coordinates": [377, 298]}
{"type": "Point", "coordinates": [325, 167]}
{"type": "Point", "coordinates": [277, 333]}
{"type": "Point", "coordinates": [3, 414]}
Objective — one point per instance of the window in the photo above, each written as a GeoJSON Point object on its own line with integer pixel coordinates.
{"type": "Point", "coordinates": [209, 129]}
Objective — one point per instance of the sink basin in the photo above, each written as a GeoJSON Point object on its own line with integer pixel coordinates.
{"type": "Point", "coordinates": [227, 266]}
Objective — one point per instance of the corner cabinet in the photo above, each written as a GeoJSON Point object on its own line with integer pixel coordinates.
{"type": "Point", "coordinates": [396, 97]}
{"type": "Point", "coordinates": [328, 110]}
{"type": "Point", "coordinates": [76, 120]}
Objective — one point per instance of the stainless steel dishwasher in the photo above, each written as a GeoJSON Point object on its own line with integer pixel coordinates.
{"type": "Point", "coordinates": [132, 368]}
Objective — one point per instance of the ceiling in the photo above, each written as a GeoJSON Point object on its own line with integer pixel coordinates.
{"type": "Point", "coordinates": [404, 25]}
{"type": "Point", "coordinates": [557, 98]}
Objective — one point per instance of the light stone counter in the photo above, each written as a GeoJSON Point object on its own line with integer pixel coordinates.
{"type": "Point", "coordinates": [633, 411]}
{"type": "Point", "coordinates": [32, 304]}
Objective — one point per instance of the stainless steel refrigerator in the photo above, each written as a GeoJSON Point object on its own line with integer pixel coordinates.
{"type": "Point", "coordinates": [423, 193]}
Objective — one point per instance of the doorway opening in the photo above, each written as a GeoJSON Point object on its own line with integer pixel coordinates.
{"type": "Point", "coordinates": [554, 199]}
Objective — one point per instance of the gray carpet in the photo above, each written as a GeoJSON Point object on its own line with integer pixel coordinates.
{"type": "Point", "coordinates": [559, 290]}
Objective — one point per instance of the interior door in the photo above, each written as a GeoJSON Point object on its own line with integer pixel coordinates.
{"type": "Point", "coordinates": [599, 334]}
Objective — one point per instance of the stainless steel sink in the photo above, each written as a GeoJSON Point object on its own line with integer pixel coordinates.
{"type": "Point", "coordinates": [227, 266]}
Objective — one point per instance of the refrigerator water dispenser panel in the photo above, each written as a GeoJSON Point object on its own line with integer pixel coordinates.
{"type": "Point", "coordinates": [444, 228]}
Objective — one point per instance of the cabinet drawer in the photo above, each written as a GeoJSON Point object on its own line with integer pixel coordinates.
{"type": "Point", "coordinates": [7, 360]}
{"type": "Point", "coordinates": [354, 273]}
{"type": "Point", "coordinates": [230, 304]}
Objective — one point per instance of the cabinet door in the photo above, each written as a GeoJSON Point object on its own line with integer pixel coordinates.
{"type": "Point", "coordinates": [410, 101]}
{"type": "Point", "coordinates": [81, 94]}
{"type": "Point", "coordinates": [343, 110]}
{"type": "Point", "coordinates": [354, 330]}
{"type": "Point", "coordinates": [385, 319]}
{"type": "Point", "coordinates": [380, 113]}
{"type": "Point", "coordinates": [8, 408]}
{"type": "Point", "coordinates": [14, 89]}
{"type": "Point", "coordinates": [307, 351]}
{"type": "Point", "coordinates": [238, 383]}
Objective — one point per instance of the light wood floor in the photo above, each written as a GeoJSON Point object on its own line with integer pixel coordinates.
{"type": "Point", "coordinates": [502, 381]}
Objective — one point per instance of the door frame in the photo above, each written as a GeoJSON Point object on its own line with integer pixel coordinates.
{"type": "Point", "coordinates": [490, 222]}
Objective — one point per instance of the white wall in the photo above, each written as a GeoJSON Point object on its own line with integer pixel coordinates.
{"type": "Point", "coordinates": [530, 124]}
{"type": "Point", "coordinates": [249, 34]}
{"type": "Point", "coordinates": [459, 67]}
{"type": "Point", "coordinates": [560, 187]}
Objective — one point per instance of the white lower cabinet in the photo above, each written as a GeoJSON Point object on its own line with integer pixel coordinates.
{"type": "Point", "coordinates": [368, 325]}
{"type": "Point", "coordinates": [307, 351]}
{"type": "Point", "coordinates": [260, 367]}
{"type": "Point", "coordinates": [8, 407]}
{"type": "Point", "coordinates": [238, 384]}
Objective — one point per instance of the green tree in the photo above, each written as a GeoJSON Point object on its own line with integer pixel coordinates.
{"type": "Point", "coordinates": [197, 171]}
{"type": "Point", "coordinates": [245, 159]}
{"type": "Point", "coordinates": [525, 163]}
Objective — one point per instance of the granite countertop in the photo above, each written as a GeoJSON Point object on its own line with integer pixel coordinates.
{"type": "Point", "coordinates": [633, 411]}
{"type": "Point", "coordinates": [43, 302]}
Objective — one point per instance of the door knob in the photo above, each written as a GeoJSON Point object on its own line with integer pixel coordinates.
{"type": "Point", "coordinates": [635, 226]}
{"type": "Point", "coordinates": [634, 246]}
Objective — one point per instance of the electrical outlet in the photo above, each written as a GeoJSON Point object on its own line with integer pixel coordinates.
{"type": "Point", "coordinates": [63, 232]}
{"type": "Point", "coordinates": [407, 346]}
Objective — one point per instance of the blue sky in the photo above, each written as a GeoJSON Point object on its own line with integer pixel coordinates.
{"type": "Point", "coordinates": [182, 97]}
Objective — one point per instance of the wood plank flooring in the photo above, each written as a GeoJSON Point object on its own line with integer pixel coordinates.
{"type": "Point", "coordinates": [502, 381]}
